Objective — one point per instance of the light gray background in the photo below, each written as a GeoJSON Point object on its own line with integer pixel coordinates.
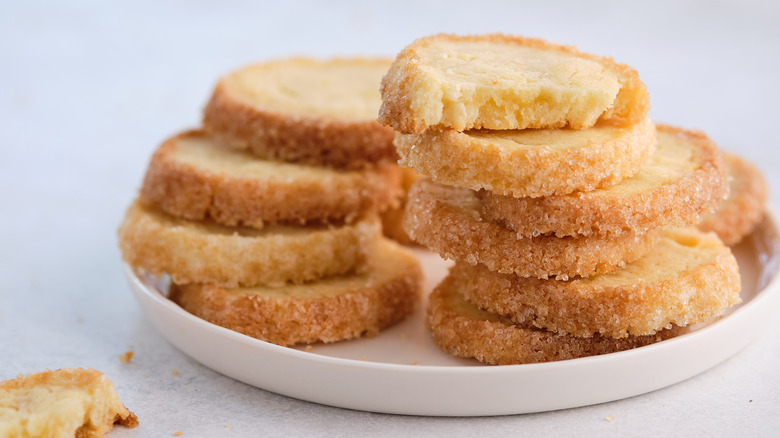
{"type": "Point", "coordinates": [89, 89]}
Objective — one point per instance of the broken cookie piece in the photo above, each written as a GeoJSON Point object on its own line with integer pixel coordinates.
{"type": "Point", "coordinates": [63, 403]}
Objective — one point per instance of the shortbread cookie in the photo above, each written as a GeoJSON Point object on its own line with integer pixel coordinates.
{"type": "Point", "coordinates": [392, 220]}
{"type": "Point", "coordinates": [327, 310]}
{"type": "Point", "coordinates": [684, 178]}
{"type": "Point", "coordinates": [320, 112]}
{"type": "Point", "coordinates": [736, 217]}
{"type": "Point", "coordinates": [200, 252]}
{"type": "Point", "coordinates": [462, 329]}
{"type": "Point", "coordinates": [506, 82]}
{"type": "Point", "coordinates": [530, 162]}
{"type": "Point", "coordinates": [448, 220]}
{"type": "Point", "coordinates": [687, 278]}
{"type": "Point", "coordinates": [193, 178]}
{"type": "Point", "coordinates": [65, 403]}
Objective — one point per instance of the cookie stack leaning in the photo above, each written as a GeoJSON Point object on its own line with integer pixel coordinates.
{"type": "Point", "coordinates": [266, 219]}
{"type": "Point", "coordinates": [567, 212]}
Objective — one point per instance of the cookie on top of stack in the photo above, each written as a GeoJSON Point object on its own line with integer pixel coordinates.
{"type": "Point", "coordinates": [267, 220]}
{"type": "Point", "coordinates": [568, 214]}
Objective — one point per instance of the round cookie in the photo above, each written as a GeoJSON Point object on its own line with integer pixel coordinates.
{"type": "Point", "coordinates": [687, 278]}
{"type": "Point", "coordinates": [736, 217]}
{"type": "Point", "coordinates": [199, 252]}
{"type": "Point", "coordinates": [192, 177]}
{"type": "Point", "coordinates": [684, 178]}
{"type": "Point", "coordinates": [449, 221]}
{"type": "Point", "coordinates": [530, 162]}
{"type": "Point", "coordinates": [462, 329]}
{"type": "Point", "coordinates": [328, 310]}
{"type": "Point", "coordinates": [499, 82]}
{"type": "Point", "coordinates": [320, 112]}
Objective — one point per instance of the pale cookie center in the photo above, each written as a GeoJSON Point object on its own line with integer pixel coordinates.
{"type": "Point", "coordinates": [337, 90]}
{"type": "Point", "coordinates": [676, 252]}
{"type": "Point", "coordinates": [203, 153]}
{"type": "Point", "coordinates": [602, 133]}
{"type": "Point", "coordinates": [457, 303]}
{"type": "Point", "coordinates": [510, 70]}
{"type": "Point", "coordinates": [515, 66]}
{"type": "Point", "coordinates": [205, 229]}
{"type": "Point", "coordinates": [674, 158]}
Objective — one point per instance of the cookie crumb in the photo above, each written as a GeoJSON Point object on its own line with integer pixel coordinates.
{"type": "Point", "coordinates": [178, 433]}
{"type": "Point", "coordinates": [227, 426]}
{"type": "Point", "coordinates": [175, 372]}
{"type": "Point", "coordinates": [610, 418]}
{"type": "Point", "coordinates": [126, 357]}
{"type": "Point", "coordinates": [751, 401]}
{"type": "Point", "coordinates": [364, 358]}
{"type": "Point", "coordinates": [309, 348]}
{"type": "Point", "coordinates": [415, 363]}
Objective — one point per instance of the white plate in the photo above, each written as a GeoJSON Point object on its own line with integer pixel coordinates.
{"type": "Point", "coordinates": [402, 372]}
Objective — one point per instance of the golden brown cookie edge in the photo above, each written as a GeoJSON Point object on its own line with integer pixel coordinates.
{"type": "Point", "coordinates": [157, 243]}
{"type": "Point", "coordinates": [454, 158]}
{"type": "Point", "coordinates": [270, 134]}
{"type": "Point", "coordinates": [572, 307]}
{"type": "Point", "coordinates": [362, 310]}
{"type": "Point", "coordinates": [191, 192]}
{"type": "Point", "coordinates": [589, 213]}
{"type": "Point", "coordinates": [498, 342]}
{"type": "Point", "coordinates": [460, 233]}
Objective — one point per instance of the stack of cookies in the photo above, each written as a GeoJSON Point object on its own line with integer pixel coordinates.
{"type": "Point", "coordinates": [567, 211]}
{"type": "Point", "coordinates": [267, 220]}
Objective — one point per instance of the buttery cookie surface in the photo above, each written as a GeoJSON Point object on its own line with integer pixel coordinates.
{"type": "Point", "coordinates": [530, 162]}
{"type": "Point", "coordinates": [65, 403]}
{"type": "Point", "coordinates": [688, 277]}
{"type": "Point", "coordinates": [683, 179]}
{"type": "Point", "coordinates": [448, 220]}
{"type": "Point", "coordinates": [201, 252]}
{"type": "Point", "coordinates": [320, 112]}
{"type": "Point", "coordinates": [736, 217]}
{"type": "Point", "coordinates": [192, 177]}
{"type": "Point", "coordinates": [462, 329]}
{"type": "Point", "coordinates": [328, 310]}
{"type": "Point", "coordinates": [506, 82]}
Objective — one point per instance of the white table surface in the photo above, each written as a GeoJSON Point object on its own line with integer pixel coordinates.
{"type": "Point", "coordinates": [87, 92]}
